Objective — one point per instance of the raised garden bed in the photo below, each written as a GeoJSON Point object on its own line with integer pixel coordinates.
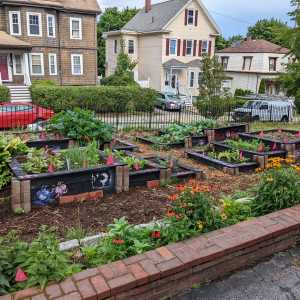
{"type": "Point", "coordinates": [64, 184]}
{"type": "Point", "coordinates": [151, 140]}
{"type": "Point", "coordinates": [118, 144]}
{"type": "Point", "coordinates": [261, 157]}
{"type": "Point", "coordinates": [281, 139]}
{"type": "Point", "coordinates": [230, 131]}
{"type": "Point", "coordinates": [234, 168]}
{"type": "Point", "coordinates": [174, 169]}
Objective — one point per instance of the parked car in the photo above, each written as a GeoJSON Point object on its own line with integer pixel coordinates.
{"type": "Point", "coordinates": [260, 110]}
{"type": "Point", "coordinates": [169, 101]}
{"type": "Point", "coordinates": [22, 114]}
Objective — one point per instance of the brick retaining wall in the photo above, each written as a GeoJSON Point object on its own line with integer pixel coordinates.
{"type": "Point", "coordinates": [173, 268]}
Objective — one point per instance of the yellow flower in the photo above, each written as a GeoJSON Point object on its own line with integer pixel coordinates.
{"type": "Point", "coordinates": [200, 225]}
{"type": "Point", "coordinates": [223, 216]}
{"type": "Point", "coordinates": [270, 179]}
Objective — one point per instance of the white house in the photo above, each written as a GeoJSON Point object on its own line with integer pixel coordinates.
{"type": "Point", "coordinates": [168, 41]}
{"type": "Point", "coordinates": [249, 62]}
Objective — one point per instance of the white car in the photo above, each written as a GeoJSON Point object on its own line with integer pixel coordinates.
{"type": "Point", "coordinates": [262, 110]}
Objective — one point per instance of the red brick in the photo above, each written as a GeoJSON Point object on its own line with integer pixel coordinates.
{"type": "Point", "coordinates": [122, 283]}
{"type": "Point", "coordinates": [53, 291]}
{"type": "Point", "coordinates": [134, 259]}
{"type": "Point", "coordinates": [6, 297]}
{"type": "Point", "coordinates": [86, 274]}
{"type": "Point", "coordinates": [170, 267]}
{"type": "Point", "coordinates": [113, 270]}
{"type": "Point", "coordinates": [39, 297]}
{"type": "Point", "coordinates": [86, 290]}
{"type": "Point", "coordinates": [68, 286]}
{"type": "Point", "coordinates": [73, 296]}
{"type": "Point", "coordinates": [154, 184]}
{"type": "Point", "coordinates": [165, 253]}
{"type": "Point", "coordinates": [26, 293]}
{"type": "Point", "coordinates": [140, 275]}
{"type": "Point", "coordinates": [155, 257]}
{"type": "Point", "coordinates": [101, 287]}
{"type": "Point", "coordinates": [150, 268]}
{"type": "Point", "coordinates": [91, 196]}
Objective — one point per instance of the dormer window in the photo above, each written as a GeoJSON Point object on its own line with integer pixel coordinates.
{"type": "Point", "coordinates": [191, 17]}
{"type": "Point", "coordinates": [15, 22]}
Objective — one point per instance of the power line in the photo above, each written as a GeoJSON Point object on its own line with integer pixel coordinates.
{"type": "Point", "coordinates": [231, 17]}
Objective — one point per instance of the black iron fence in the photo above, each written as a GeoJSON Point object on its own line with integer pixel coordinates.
{"type": "Point", "coordinates": [14, 116]}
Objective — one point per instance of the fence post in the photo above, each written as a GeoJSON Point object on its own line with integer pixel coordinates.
{"type": "Point", "coordinates": [179, 116]}
{"type": "Point", "coordinates": [150, 120]}
{"type": "Point", "coordinates": [117, 124]}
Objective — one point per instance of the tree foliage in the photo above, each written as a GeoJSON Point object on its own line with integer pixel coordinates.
{"type": "Point", "coordinates": [222, 43]}
{"type": "Point", "coordinates": [270, 30]}
{"type": "Point", "coordinates": [111, 19]}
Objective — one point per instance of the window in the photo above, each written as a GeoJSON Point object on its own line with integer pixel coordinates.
{"type": "Point", "coordinates": [204, 46]}
{"type": "Point", "coordinates": [34, 24]}
{"type": "Point", "coordinates": [200, 77]}
{"type": "Point", "coordinates": [37, 64]}
{"type": "Point", "coordinates": [51, 26]}
{"type": "Point", "coordinates": [189, 47]}
{"type": "Point", "coordinates": [190, 17]}
{"type": "Point", "coordinates": [192, 79]}
{"type": "Point", "coordinates": [130, 47]}
{"type": "Point", "coordinates": [76, 28]}
{"type": "Point", "coordinates": [52, 64]}
{"type": "Point", "coordinates": [224, 62]}
{"type": "Point", "coordinates": [17, 65]}
{"type": "Point", "coordinates": [173, 46]}
{"type": "Point", "coordinates": [272, 64]}
{"type": "Point", "coordinates": [77, 64]}
{"type": "Point", "coordinates": [116, 46]}
{"type": "Point", "coordinates": [15, 22]}
{"type": "Point", "coordinates": [247, 63]}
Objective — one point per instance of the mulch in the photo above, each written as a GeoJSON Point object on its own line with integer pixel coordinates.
{"type": "Point", "coordinates": [139, 205]}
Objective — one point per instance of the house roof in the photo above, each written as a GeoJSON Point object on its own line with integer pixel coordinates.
{"type": "Point", "coordinates": [195, 63]}
{"type": "Point", "coordinates": [255, 46]}
{"type": "Point", "coordinates": [8, 41]}
{"type": "Point", "coordinates": [159, 16]}
{"type": "Point", "coordinates": [90, 6]}
{"type": "Point", "coordinates": [174, 63]}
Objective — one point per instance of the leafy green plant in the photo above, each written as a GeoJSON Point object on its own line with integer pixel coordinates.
{"type": "Point", "coordinates": [132, 162]}
{"type": "Point", "coordinates": [231, 156]}
{"type": "Point", "coordinates": [4, 94]}
{"type": "Point", "coordinates": [278, 189]}
{"type": "Point", "coordinates": [251, 145]}
{"type": "Point", "coordinates": [81, 125]}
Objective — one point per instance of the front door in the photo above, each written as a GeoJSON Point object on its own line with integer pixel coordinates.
{"type": "Point", "coordinates": [174, 81]}
{"type": "Point", "coordinates": [4, 67]}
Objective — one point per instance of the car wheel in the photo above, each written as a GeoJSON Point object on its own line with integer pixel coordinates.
{"type": "Point", "coordinates": [285, 119]}
{"type": "Point", "coordinates": [164, 107]}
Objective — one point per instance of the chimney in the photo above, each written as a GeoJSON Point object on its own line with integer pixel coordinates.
{"type": "Point", "coordinates": [147, 5]}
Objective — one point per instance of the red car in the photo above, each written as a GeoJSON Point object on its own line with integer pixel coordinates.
{"type": "Point", "coordinates": [21, 114]}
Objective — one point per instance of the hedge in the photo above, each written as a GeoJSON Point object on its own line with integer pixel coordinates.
{"type": "Point", "coordinates": [96, 98]}
{"type": "Point", "coordinates": [4, 94]}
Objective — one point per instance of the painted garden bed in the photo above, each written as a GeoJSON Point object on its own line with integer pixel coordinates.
{"type": "Point", "coordinates": [171, 169]}
{"type": "Point", "coordinates": [118, 144]}
{"type": "Point", "coordinates": [261, 157]}
{"type": "Point", "coordinates": [288, 140]}
{"type": "Point", "coordinates": [229, 131]}
{"type": "Point", "coordinates": [233, 168]}
{"type": "Point", "coordinates": [61, 181]}
{"type": "Point", "coordinates": [152, 140]}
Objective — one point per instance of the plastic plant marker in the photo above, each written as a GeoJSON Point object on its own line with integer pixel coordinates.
{"type": "Point", "coordinates": [274, 147]}
{"type": "Point", "coordinates": [298, 134]}
{"type": "Point", "coordinates": [110, 160]}
{"type": "Point", "coordinates": [285, 140]}
{"type": "Point", "coordinates": [279, 130]}
{"type": "Point", "coordinates": [241, 155]}
{"type": "Point", "coordinates": [20, 275]}
{"type": "Point", "coordinates": [261, 147]}
{"type": "Point", "coordinates": [50, 168]}
{"type": "Point", "coordinates": [261, 134]}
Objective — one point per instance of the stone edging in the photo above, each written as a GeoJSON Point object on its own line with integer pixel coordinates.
{"type": "Point", "coordinates": [173, 268]}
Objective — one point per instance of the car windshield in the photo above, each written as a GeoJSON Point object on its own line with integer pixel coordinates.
{"type": "Point", "coordinates": [173, 97]}
{"type": "Point", "coordinates": [251, 104]}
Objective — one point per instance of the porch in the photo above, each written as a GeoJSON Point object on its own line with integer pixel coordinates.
{"type": "Point", "coordinates": [14, 60]}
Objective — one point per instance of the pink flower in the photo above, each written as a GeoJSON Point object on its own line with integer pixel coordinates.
{"type": "Point", "coordinates": [20, 275]}
{"type": "Point", "coordinates": [110, 160]}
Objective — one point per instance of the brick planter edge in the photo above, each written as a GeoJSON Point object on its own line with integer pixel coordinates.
{"type": "Point", "coordinates": [166, 271]}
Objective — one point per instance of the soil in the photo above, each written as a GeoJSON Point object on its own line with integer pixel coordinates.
{"type": "Point", "coordinates": [140, 205]}
{"type": "Point", "coordinates": [281, 135]}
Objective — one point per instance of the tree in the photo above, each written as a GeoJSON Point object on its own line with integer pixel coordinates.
{"type": "Point", "coordinates": [291, 80]}
{"type": "Point", "coordinates": [222, 43]}
{"type": "Point", "coordinates": [111, 19]}
{"type": "Point", "coordinates": [270, 30]}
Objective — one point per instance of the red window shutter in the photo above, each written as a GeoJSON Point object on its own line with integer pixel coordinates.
{"type": "Point", "coordinates": [195, 48]}
{"type": "Point", "coordinates": [167, 47]}
{"type": "Point", "coordinates": [200, 48]}
{"type": "Point", "coordinates": [184, 48]}
{"type": "Point", "coordinates": [185, 17]}
{"type": "Point", "coordinates": [178, 47]}
{"type": "Point", "coordinates": [196, 18]}
{"type": "Point", "coordinates": [209, 48]}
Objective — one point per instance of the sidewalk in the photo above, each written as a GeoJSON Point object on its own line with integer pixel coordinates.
{"type": "Point", "coordinates": [276, 279]}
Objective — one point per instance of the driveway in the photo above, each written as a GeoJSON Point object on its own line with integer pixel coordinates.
{"type": "Point", "coordinates": [276, 279]}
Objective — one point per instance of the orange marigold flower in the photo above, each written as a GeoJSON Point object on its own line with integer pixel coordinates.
{"type": "Point", "coordinates": [171, 213]}
{"type": "Point", "coordinates": [172, 197]}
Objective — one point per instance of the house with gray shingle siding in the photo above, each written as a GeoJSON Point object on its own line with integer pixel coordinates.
{"type": "Point", "coordinates": [168, 41]}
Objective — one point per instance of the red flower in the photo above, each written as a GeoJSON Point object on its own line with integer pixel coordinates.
{"type": "Point", "coordinates": [180, 187]}
{"type": "Point", "coordinates": [20, 275]}
{"type": "Point", "coordinates": [170, 214]}
{"type": "Point", "coordinates": [118, 242]}
{"type": "Point", "coordinates": [155, 234]}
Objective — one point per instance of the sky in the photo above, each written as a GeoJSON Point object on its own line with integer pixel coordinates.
{"type": "Point", "coordinates": [232, 16]}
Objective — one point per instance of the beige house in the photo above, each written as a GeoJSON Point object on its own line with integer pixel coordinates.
{"type": "Point", "coordinates": [249, 62]}
{"type": "Point", "coordinates": [168, 41]}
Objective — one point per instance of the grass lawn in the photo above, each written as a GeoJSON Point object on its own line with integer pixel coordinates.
{"type": "Point", "coordinates": [271, 125]}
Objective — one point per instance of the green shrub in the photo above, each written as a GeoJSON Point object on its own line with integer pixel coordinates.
{"type": "Point", "coordinates": [44, 82]}
{"type": "Point", "coordinates": [81, 125]}
{"type": "Point", "coordinates": [96, 98]}
{"type": "Point", "coordinates": [4, 94]}
{"type": "Point", "coordinates": [278, 189]}
{"type": "Point", "coordinates": [125, 79]}
{"type": "Point", "coordinates": [262, 87]}
{"type": "Point", "coordinates": [241, 93]}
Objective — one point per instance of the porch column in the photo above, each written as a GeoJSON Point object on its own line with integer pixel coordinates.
{"type": "Point", "coordinates": [27, 80]}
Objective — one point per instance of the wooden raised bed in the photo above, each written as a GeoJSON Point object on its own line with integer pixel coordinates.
{"type": "Point", "coordinates": [260, 157]}
{"type": "Point", "coordinates": [292, 147]}
{"type": "Point", "coordinates": [118, 144]}
{"type": "Point", "coordinates": [62, 186]}
{"type": "Point", "coordinates": [177, 170]}
{"type": "Point", "coordinates": [223, 133]}
{"type": "Point", "coordinates": [147, 140]}
{"type": "Point", "coordinates": [230, 168]}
